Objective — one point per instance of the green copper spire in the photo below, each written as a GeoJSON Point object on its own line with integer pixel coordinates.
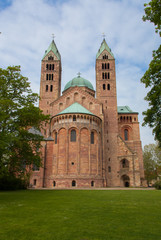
{"type": "Point", "coordinates": [103, 47]}
{"type": "Point", "coordinates": [54, 49]}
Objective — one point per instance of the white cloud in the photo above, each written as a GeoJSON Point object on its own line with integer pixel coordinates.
{"type": "Point", "coordinates": [27, 26]}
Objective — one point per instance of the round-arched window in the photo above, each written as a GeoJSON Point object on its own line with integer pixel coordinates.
{"type": "Point", "coordinates": [73, 183]}
{"type": "Point", "coordinates": [73, 135]}
{"type": "Point", "coordinates": [126, 137]}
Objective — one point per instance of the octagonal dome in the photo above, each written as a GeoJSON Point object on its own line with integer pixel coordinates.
{"type": "Point", "coordinates": [80, 82]}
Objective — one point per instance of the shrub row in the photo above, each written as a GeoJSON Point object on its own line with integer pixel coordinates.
{"type": "Point", "coordinates": [12, 183]}
{"type": "Point", "coordinates": [157, 185]}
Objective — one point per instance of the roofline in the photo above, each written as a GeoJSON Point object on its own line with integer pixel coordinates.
{"type": "Point", "coordinates": [78, 89]}
{"type": "Point", "coordinates": [127, 112]}
{"type": "Point", "coordinates": [76, 113]}
{"type": "Point", "coordinates": [78, 86]}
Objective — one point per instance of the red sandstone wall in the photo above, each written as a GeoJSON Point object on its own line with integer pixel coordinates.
{"type": "Point", "coordinates": [110, 128]}
{"type": "Point", "coordinates": [134, 136]}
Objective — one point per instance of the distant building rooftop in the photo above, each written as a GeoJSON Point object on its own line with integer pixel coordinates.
{"type": "Point", "coordinates": [124, 109]}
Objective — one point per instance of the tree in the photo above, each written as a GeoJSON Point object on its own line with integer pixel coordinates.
{"type": "Point", "coordinates": [152, 162]}
{"type": "Point", "coordinates": [152, 77]}
{"type": "Point", "coordinates": [19, 147]}
{"type": "Point", "coordinates": [152, 13]}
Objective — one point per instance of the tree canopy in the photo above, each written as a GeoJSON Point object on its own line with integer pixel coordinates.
{"type": "Point", "coordinates": [152, 77]}
{"type": "Point", "coordinates": [153, 13]}
{"type": "Point", "coordinates": [19, 147]}
{"type": "Point", "coordinates": [152, 162]}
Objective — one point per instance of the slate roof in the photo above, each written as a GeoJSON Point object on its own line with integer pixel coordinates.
{"type": "Point", "coordinates": [35, 131]}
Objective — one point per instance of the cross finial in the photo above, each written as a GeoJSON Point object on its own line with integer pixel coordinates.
{"type": "Point", "coordinates": [53, 36]}
{"type": "Point", "coordinates": [103, 35]}
{"type": "Point", "coordinates": [78, 74]}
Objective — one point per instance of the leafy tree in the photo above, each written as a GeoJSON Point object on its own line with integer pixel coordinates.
{"type": "Point", "coordinates": [152, 162]}
{"type": "Point", "coordinates": [152, 77]}
{"type": "Point", "coordinates": [152, 13]}
{"type": "Point", "coordinates": [19, 147]}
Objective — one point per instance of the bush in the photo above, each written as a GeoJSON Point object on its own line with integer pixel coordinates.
{"type": "Point", "coordinates": [12, 183]}
{"type": "Point", "coordinates": [157, 185]}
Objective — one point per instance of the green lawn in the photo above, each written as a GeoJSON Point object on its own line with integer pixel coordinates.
{"type": "Point", "coordinates": [80, 215]}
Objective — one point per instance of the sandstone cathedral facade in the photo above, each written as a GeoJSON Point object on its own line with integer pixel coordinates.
{"type": "Point", "coordinates": [90, 141]}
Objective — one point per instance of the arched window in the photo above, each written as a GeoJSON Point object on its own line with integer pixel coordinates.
{"type": "Point", "coordinates": [35, 168]}
{"type": "Point", "coordinates": [108, 86]}
{"type": "Point", "coordinates": [49, 66]}
{"type": "Point", "coordinates": [46, 88]}
{"type": "Point", "coordinates": [103, 66]}
{"type": "Point", "coordinates": [90, 105]}
{"type": "Point", "coordinates": [35, 182]}
{"type": "Point", "coordinates": [46, 66]}
{"type": "Point", "coordinates": [51, 76]}
{"type": "Point", "coordinates": [50, 58]}
{"type": "Point", "coordinates": [108, 75]}
{"type": "Point", "coordinates": [126, 134]}
{"type": "Point", "coordinates": [51, 88]}
{"type": "Point", "coordinates": [74, 118]}
{"type": "Point", "coordinates": [54, 184]}
{"type": "Point", "coordinates": [92, 183]}
{"type": "Point", "coordinates": [92, 137]}
{"type": "Point", "coordinates": [73, 136]}
{"type": "Point", "coordinates": [108, 66]}
{"type": "Point", "coordinates": [47, 76]}
{"type": "Point", "coordinates": [124, 163]}
{"type": "Point", "coordinates": [105, 75]}
{"type": "Point", "coordinates": [56, 137]}
{"type": "Point", "coordinates": [52, 66]}
{"type": "Point", "coordinates": [60, 106]}
{"type": "Point", "coordinates": [67, 100]}
{"type": "Point", "coordinates": [104, 86]}
{"type": "Point", "coordinates": [109, 169]}
{"type": "Point", "coordinates": [105, 56]}
{"type": "Point", "coordinates": [73, 183]}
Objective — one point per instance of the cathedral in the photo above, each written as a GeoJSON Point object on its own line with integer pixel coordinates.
{"type": "Point", "coordinates": [90, 142]}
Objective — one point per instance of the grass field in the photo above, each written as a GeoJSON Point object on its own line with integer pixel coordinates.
{"type": "Point", "coordinates": [80, 215]}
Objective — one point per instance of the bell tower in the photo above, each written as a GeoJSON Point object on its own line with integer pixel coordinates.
{"type": "Point", "coordinates": [106, 94]}
{"type": "Point", "coordinates": [50, 83]}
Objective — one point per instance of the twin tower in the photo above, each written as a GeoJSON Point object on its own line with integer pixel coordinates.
{"type": "Point", "coordinates": [90, 141]}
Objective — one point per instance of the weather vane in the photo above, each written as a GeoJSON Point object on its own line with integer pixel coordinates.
{"type": "Point", "coordinates": [78, 74]}
{"type": "Point", "coordinates": [53, 36]}
{"type": "Point", "coordinates": [103, 35]}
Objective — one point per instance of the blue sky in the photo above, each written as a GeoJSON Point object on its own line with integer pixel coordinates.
{"type": "Point", "coordinates": [5, 4]}
{"type": "Point", "coordinates": [27, 27]}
